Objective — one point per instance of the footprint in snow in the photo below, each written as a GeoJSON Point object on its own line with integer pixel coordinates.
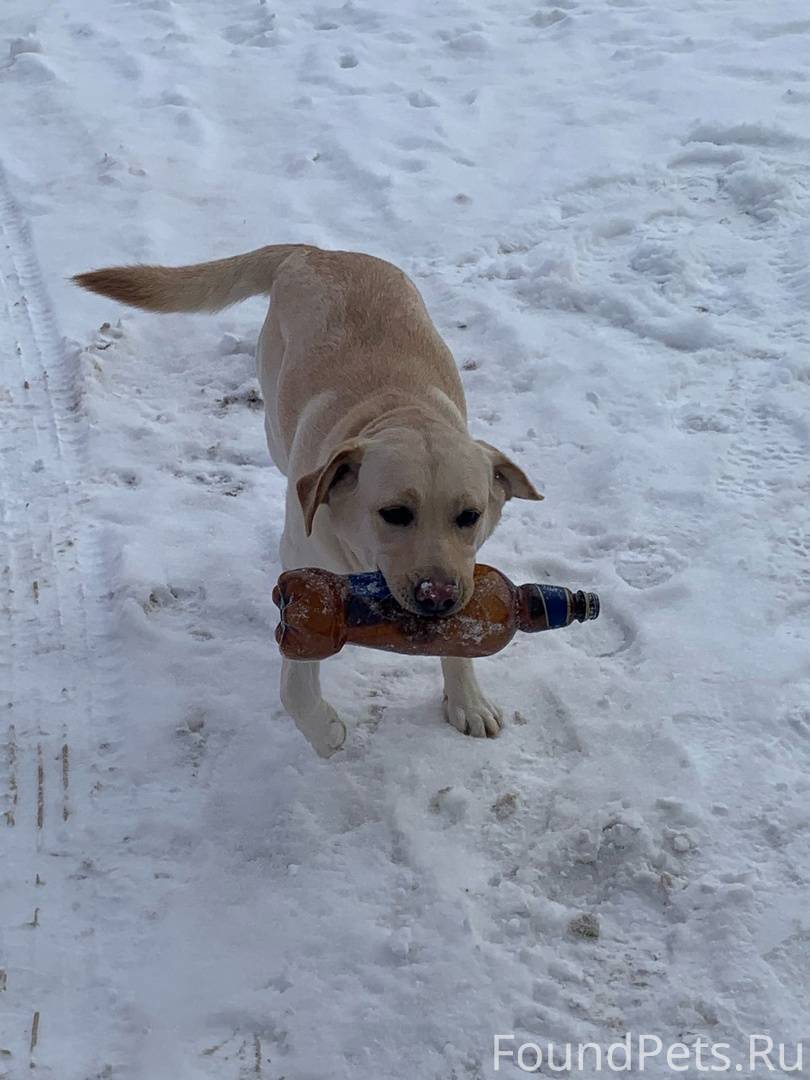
{"type": "Point", "coordinates": [121, 478]}
{"type": "Point", "coordinates": [413, 165]}
{"type": "Point", "coordinates": [611, 634]}
{"type": "Point", "coordinates": [769, 456]}
{"type": "Point", "coordinates": [28, 67]}
{"type": "Point", "coordinates": [796, 97]}
{"type": "Point", "coordinates": [545, 19]}
{"type": "Point", "coordinates": [766, 31]}
{"type": "Point", "coordinates": [766, 135]}
{"type": "Point", "coordinates": [220, 481]}
{"type": "Point", "coordinates": [696, 419]}
{"type": "Point", "coordinates": [794, 266]}
{"type": "Point", "coordinates": [469, 44]}
{"type": "Point", "coordinates": [646, 562]}
{"type": "Point", "coordinates": [258, 32]}
{"type": "Point", "coordinates": [168, 597]}
{"type": "Point", "coordinates": [419, 99]}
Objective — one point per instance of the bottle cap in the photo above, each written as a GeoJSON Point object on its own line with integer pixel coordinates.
{"type": "Point", "coordinates": [585, 606]}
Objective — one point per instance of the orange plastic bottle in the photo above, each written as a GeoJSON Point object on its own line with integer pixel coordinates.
{"type": "Point", "coordinates": [320, 612]}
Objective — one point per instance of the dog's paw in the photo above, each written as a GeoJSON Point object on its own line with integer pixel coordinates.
{"type": "Point", "coordinates": [472, 714]}
{"type": "Point", "coordinates": [324, 729]}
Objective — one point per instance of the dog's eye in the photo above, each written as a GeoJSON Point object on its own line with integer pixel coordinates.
{"type": "Point", "coordinates": [467, 518]}
{"type": "Point", "coordinates": [396, 515]}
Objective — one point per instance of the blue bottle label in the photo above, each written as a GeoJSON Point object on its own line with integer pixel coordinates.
{"type": "Point", "coordinates": [555, 599]}
{"type": "Point", "coordinates": [370, 586]}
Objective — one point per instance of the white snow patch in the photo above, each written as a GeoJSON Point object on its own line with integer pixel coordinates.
{"type": "Point", "coordinates": [606, 208]}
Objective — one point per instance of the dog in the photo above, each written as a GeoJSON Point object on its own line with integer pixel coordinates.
{"type": "Point", "coordinates": [365, 415]}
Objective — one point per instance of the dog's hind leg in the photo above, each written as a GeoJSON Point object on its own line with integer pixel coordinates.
{"type": "Point", "coordinates": [302, 698]}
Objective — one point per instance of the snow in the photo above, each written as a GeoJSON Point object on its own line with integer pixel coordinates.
{"type": "Point", "coordinates": [605, 204]}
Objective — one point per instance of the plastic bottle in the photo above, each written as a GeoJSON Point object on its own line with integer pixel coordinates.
{"type": "Point", "coordinates": [320, 612]}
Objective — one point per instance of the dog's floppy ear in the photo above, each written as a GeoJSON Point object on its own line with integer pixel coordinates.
{"type": "Point", "coordinates": [313, 489]}
{"type": "Point", "coordinates": [512, 479]}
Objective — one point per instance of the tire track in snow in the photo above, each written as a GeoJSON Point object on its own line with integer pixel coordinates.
{"type": "Point", "coordinates": [58, 673]}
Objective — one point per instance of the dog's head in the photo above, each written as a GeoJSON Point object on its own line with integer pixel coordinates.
{"type": "Point", "coordinates": [416, 505]}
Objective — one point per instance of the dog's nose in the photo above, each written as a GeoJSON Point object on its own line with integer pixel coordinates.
{"type": "Point", "coordinates": [436, 597]}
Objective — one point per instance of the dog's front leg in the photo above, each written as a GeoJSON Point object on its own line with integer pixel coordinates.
{"type": "Point", "coordinates": [302, 698]}
{"type": "Point", "coordinates": [465, 706]}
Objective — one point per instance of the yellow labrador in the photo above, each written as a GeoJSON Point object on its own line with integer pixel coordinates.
{"type": "Point", "coordinates": [365, 413]}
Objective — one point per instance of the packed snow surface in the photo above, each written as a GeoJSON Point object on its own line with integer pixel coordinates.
{"type": "Point", "coordinates": [605, 205]}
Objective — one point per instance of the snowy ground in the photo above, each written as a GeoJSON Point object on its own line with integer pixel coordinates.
{"type": "Point", "coordinates": [605, 203]}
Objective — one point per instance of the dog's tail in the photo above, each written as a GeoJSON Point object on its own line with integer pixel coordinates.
{"type": "Point", "coordinates": [202, 287]}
